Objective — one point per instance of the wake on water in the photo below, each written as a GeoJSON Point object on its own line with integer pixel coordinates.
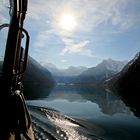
{"type": "Point", "coordinates": [50, 124]}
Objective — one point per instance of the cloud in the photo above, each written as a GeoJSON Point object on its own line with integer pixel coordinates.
{"type": "Point", "coordinates": [113, 16]}
{"type": "Point", "coordinates": [76, 48]}
{"type": "Point", "coordinates": [116, 13]}
{"type": "Point", "coordinates": [63, 60]}
{"type": "Point", "coordinates": [124, 15]}
{"type": "Point", "coordinates": [42, 37]}
{"type": "Point", "coordinates": [89, 13]}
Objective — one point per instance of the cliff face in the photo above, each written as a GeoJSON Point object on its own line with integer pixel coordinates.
{"type": "Point", "coordinates": [127, 83]}
{"type": "Point", "coordinates": [128, 79]}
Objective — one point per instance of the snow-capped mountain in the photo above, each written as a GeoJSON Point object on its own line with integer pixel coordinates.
{"type": "Point", "coordinates": [104, 70]}
{"type": "Point", "coordinates": [113, 65]}
{"type": "Point", "coordinates": [106, 65]}
{"type": "Point", "coordinates": [72, 74]}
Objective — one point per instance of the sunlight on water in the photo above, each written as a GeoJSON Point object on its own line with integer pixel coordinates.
{"type": "Point", "coordinates": [58, 119]}
{"type": "Point", "coordinates": [67, 129]}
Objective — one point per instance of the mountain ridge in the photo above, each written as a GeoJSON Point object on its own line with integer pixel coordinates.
{"type": "Point", "coordinates": [70, 71]}
{"type": "Point", "coordinates": [102, 71]}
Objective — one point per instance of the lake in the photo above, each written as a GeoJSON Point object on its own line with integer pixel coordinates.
{"type": "Point", "coordinates": [85, 113]}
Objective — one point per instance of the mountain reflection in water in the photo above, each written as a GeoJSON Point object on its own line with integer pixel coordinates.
{"type": "Point", "coordinates": [97, 112]}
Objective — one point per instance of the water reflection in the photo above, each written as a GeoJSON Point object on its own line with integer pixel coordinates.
{"type": "Point", "coordinates": [107, 102]}
{"type": "Point", "coordinates": [131, 98]}
{"type": "Point", "coordinates": [34, 91]}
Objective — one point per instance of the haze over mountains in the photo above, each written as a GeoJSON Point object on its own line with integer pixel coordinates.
{"type": "Point", "coordinates": [79, 75]}
{"type": "Point", "coordinates": [70, 71]}
{"type": "Point", "coordinates": [67, 75]}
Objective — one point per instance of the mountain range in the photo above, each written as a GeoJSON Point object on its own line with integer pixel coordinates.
{"type": "Point", "coordinates": [67, 75]}
{"type": "Point", "coordinates": [84, 75]}
{"type": "Point", "coordinates": [70, 71]}
{"type": "Point", "coordinates": [104, 70]}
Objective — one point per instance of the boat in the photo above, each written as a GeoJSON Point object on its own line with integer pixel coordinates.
{"type": "Point", "coordinates": [15, 120]}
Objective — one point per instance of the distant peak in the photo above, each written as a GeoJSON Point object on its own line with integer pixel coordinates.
{"type": "Point", "coordinates": [110, 60]}
{"type": "Point", "coordinates": [113, 65]}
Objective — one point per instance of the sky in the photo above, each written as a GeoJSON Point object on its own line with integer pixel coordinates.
{"type": "Point", "coordinates": [82, 32]}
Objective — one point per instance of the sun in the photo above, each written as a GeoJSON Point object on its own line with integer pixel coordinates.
{"type": "Point", "coordinates": [67, 22]}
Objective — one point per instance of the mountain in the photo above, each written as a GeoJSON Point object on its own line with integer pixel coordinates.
{"type": "Point", "coordinates": [74, 71]}
{"type": "Point", "coordinates": [104, 70]}
{"type": "Point", "coordinates": [128, 77]}
{"type": "Point", "coordinates": [127, 83]}
{"type": "Point", "coordinates": [51, 67]}
{"type": "Point", "coordinates": [67, 75]}
{"type": "Point", "coordinates": [37, 80]}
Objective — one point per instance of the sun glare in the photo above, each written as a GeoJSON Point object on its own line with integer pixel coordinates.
{"type": "Point", "coordinates": [67, 22]}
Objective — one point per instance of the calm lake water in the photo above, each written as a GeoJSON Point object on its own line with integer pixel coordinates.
{"type": "Point", "coordinates": [98, 112]}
